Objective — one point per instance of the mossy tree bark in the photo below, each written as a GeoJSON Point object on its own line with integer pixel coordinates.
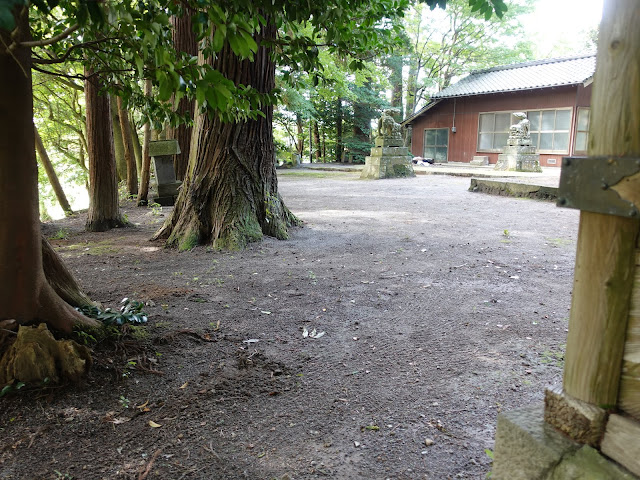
{"type": "Point", "coordinates": [229, 196]}
{"type": "Point", "coordinates": [104, 211]}
{"type": "Point", "coordinates": [25, 296]}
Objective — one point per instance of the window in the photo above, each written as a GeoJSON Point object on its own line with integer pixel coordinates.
{"type": "Point", "coordinates": [582, 130]}
{"type": "Point", "coordinates": [436, 141]}
{"type": "Point", "coordinates": [550, 130]}
{"type": "Point", "coordinates": [493, 131]}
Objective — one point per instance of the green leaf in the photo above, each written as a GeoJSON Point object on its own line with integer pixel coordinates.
{"type": "Point", "coordinates": [218, 38]}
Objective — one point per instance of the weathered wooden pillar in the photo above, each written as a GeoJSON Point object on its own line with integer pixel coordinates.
{"type": "Point", "coordinates": [606, 188]}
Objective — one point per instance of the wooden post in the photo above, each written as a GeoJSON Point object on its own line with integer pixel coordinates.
{"type": "Point", "coordinates": [606, 244]}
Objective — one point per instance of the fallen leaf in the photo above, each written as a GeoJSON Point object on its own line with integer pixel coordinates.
{"type": "Point", "coordinates": [184, 385]}
{"type": "Point", "coordinates": [266, 312]}
{"type": "Point", "coordinates": [154, 424]}
{"type": "Point", "coordinates": [305, 332]}
{"type": "Point", "coordinates": [143, 406]}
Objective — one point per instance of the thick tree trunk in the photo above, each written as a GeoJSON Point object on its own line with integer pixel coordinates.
{"type": "Point", "coordinates": [127, 141]}
{"type": "Point", "coordinates": [118, 145]}
{"type": "Point", "coordinates": [184, 40]}
{"type": "Point", "coordinates": [143, 193]}
{"type": "Point", "coordinates": [25, 296]}
{"type": "Point", "coordinates": [51, 174]}
{"type": "Point", "coordinates": [104, 211]}
{"type": "Point", "coordinates": [230, 195]}
{"type": "Point", "coordinates": [339, 146]}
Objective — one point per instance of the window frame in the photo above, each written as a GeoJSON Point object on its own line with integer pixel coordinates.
{"type": "Point", "coordinates": [554, 131]}
{"type": "Point", "coordinates": [492, 132]}
{"type": "Point", "coordinates": [576, 151]}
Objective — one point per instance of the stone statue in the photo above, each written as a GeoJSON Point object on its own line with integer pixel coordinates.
{"type": "Point", "coordinates": [387, 126]}
{"type": "Point", "coordinates": [520, 131]}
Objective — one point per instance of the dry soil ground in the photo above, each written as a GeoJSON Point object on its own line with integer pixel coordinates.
{"type": "Point", "coordinates": [434, 309]}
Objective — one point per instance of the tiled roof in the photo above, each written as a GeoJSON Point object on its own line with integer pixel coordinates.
{"type": "Point", "coordinates": [552, 72]}
{"type": "Point", "coordinates": [523, 76]}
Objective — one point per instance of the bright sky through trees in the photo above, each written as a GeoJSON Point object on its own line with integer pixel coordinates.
{"type": "Point", "coordinates": [559, 27]}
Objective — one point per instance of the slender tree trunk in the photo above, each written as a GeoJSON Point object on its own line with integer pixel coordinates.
{"type": "Point", "coordinates": [104, 211]}
{"type": "Point", "coordinates": [184, 40]}
{"type": "Point", "coordinates": [394, 63]}
{"type": "Point", "coordinates": [230, 195]}
{"type": "Point", "coordinates": [137, 146]}
{"type": "Point", "coordinates": [25, 296]}
{"type": "Point", "coordinates": [118, 145]}
{"type": "Point", "coordinates": [143, 193]}
{"type": "Point", "coordinates": [339, 146]}
{"type": "Point", "coordinates": [300, 130]}
{"type": "Point", "coordinates": [316, 140]}
{"type": "Point", "coordinates": [127, 141]}
{"type": "Point", "coordinates": [51, 174]}
{"type": "Point", "coordinates": [411, 87]}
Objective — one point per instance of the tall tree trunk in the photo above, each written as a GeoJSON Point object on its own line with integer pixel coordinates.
{"type": "Point", "coordinates": [300, 130]}
{"type": "Point", "coordinates": [118, 144]}
{"type": "Point", "coordinates": [127, 141]}
{"type": "Point", "coordinates": [339, 146]}
{"type": "Point", "coordinates": [394, 63]}
{"type": "Point", "coordinates": [137, 147]}
{"type": "Point", "coordinates": [104, 211]}
{"type": "Point", "coordinates": [143, 193]}
{"type": "Point", "coordinates": [25, 296]}
{"type": "Point", "coordinates": [316, 140]}
{"type": "Point", "coordinates": [230, 195]}
{"type": "Point", "coordinates": [184, 40]}
{"type": "Point", "coordinates": [412, 87]}
{"type": "Point", "coordinates": [51, 174]}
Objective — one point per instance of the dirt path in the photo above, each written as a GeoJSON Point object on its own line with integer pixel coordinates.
{"type": "Point", "coordinates": [439, 307]}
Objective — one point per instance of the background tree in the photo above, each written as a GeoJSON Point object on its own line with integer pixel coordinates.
{"type": "Point", "coordinates": [450, 43]}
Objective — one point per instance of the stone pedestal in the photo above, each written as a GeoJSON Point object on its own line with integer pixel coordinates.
{"type": "Point", "coordinates": [162, 152]}
{"type": "Point", "coordinates": [520, 158]}
{"type": "Point", "coordinates": [388, 159]}
{"type": "Point", "coordinates": [480, 161]}
{"type": "Point", "coordinates": [527, 448]}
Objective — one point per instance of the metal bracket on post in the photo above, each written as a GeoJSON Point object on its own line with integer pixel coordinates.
{"type": "Point", "coordinates": [609, 185]}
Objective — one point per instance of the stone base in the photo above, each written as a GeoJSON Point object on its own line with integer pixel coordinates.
{"type": "Point", "coordinates": [519, 158]}
{"type": "Point", "coordinates": [168, 189]}
{"type": "Point", "coordinates": [389, 142]}
{"type": "Point", "coordinates": [168, 201]}
{"type": "Point", "coordinates": [388, 166]}
{"type": "Point", "coordinates": [480, 161]}
{"type": "Point", "coordinates": [527, 448]}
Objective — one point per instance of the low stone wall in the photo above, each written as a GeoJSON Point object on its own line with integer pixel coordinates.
{"type": "Point", "coordinates": [513, 189]}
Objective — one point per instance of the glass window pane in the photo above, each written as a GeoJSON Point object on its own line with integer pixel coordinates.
{"type": "Point", "coordinates": [441, 154]}
{"type": "Point", "coordinates": [561, 142]}
{"type": "Point", "coordinates": [500, 140]}
{"type": "Point", "coordinates": [534, 120]}
{"type": "Point", "coordinates": [503, 122]}
{"type": "Point", "coordinates": [486, 122]}
{"type": "Point", "coordinates": [581, 142]}
{"type": "Point", "coordinates": [442, 136]}
{"type": "Point", "coordinates": [563, 119]}
{"type": "Point", "coordinates": [534, 139]}
{"type": "Point", "coordinates": [429, 137]}
{"type": "Point", "coordinates": [548, 120]}
{"type": "Point", "coordinates": [583, 119]}
{"type": "Point", "coordinates": [485, 141]}
{"type": "Point", "coordinates": [546, 141]}
{"type": "Point", "coordinates": [429, 152]}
